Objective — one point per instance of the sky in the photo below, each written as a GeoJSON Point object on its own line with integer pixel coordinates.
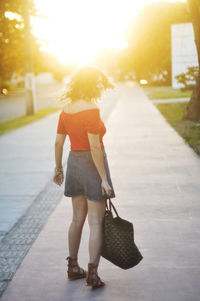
{"type": "Point", "coordinates": [76, 30]}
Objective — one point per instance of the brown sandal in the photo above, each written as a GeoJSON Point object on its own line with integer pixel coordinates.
{"type": "Point", "coordinates": [92, 278]}
{"type": "Point", "coordinates": [74, 270]}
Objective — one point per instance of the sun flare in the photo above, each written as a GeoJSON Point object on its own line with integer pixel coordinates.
{"type": "Point", "coordinates": [76, 30]}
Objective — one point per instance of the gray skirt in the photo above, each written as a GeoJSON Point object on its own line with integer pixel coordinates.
{"type": "Point", "coordinates": [82, 176]}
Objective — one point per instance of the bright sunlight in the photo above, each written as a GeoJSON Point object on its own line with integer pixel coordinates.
{"type": "Point", "coordinates": [76, 30]}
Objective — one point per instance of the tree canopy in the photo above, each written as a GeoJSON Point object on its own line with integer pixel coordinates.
{"type": "Point", "coordinates": [193, 107]}
{"type": "Point", "coordinates": [149, 40]}
{"type": "Point", "coordinates": [12, 44]}
{"type": "Point", "coordinates": [12, 37]}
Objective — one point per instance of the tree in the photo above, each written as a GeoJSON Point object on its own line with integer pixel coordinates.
{"type": "Point", "coordinates": [12, 44]}
{"type": "Point", "coordinates": [149, 40]}
{"type": "Point", "coordinates": [48, 62]}
{"type": "Point", "coordinates": [193, 107]}
{"type": "Point", "coordinates": [11, 47]}
{"type": "Point", "coordinates": [12, 37]}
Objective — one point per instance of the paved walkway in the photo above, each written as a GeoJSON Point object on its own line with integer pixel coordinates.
{"type": "Point", "coordinates": [156, 179]}
{"type": "Point", "coordinates": [26, 157]}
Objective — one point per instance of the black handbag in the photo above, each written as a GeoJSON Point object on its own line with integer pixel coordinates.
{"type": "Point", "coordinates": [118, 240]}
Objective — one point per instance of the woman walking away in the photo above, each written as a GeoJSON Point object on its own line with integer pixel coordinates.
{"type": "Point", "coordinates": [88, 181]}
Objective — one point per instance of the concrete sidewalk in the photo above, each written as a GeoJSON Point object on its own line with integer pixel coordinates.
{"type": "Point", "coordinates": [156, 179]}
{"type": "Point", "coordinates": [26, 159]}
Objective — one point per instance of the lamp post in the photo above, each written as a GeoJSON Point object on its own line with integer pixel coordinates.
{"type": "Point", "coordinates": [30, 95]}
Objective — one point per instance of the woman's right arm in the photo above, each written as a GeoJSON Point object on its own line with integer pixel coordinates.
{"type": "Point", "coordinates": [97, 156]}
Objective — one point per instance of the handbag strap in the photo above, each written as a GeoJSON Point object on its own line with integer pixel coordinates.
{"type": "Point", "coordinates": [111, 204]}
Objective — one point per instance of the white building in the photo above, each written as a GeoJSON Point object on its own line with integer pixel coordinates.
{"type": "Point", "coordinates": [44, 78]}
{"type": "Point", "coordinates": [183, 50]}
{"type": "Point", "coordinates": [41, 78]}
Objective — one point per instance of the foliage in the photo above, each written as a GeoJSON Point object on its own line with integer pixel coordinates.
{"type": "Point", "coordinates": [193, 108]}
{"type": "Point", "coordinates": [17, 7]}
{"type": "Point", "coordinates": [48, 62]}
{"type": "Point", "coordinates": [189, 78]}
{"type": "Point", "coordinates": [12, 37]}
{"type": "Point", "coordinates": [149, 41]}
{"type": "Point", "coordinates": [12, 56]}
{"type": "Point", "coordinates": [11, 47]}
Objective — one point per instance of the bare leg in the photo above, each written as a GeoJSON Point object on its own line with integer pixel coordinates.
{"type": "Point", "coordinates": [96, 211]}
{"type": "Point", "coordinates": [79, 204]}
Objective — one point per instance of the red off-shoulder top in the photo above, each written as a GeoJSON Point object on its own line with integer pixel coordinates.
{"type": "Point", "coordinates": [77, 125]}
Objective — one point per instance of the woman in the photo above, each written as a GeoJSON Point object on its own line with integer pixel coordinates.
{"type": "Point", "coordinates": [87, 180]}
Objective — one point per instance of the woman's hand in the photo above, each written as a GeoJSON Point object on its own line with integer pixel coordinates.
{"type": "Point", "coordinates": [58, 178]}
{"type": "Point", "coordinates": [106, 188]}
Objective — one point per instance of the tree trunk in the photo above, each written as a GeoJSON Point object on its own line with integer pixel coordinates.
{"type": "Point", "coordinates": [193, 107]}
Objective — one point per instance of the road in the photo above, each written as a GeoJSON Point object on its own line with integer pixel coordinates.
{"type": "Point", "coordinates": [13, 105]}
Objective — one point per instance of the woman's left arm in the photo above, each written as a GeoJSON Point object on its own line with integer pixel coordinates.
{"type": "Point", "coordinates": [58, 172]}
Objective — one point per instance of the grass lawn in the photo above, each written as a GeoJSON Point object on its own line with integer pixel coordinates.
{"type": "Point", "coordinates": [165, 92]}
{"type": "Point", "coordinates": [189, 130]}
{"type": "Point", "coordinates": [13, 124]}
